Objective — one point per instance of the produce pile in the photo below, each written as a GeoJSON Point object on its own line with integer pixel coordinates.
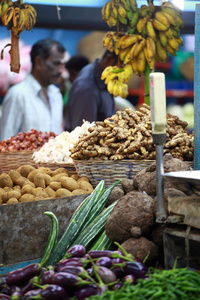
{"type": "Point", "coordinates": [128, 135]}
{"type": "Point", "coordinates": [80, 276]}
{"type": "Point", "coordinates": [57, 150]}
{"type": "Point", "coordinates": [30, 140]}
{"type": "Point", "coordinates": [143, 36]}
{"type": "Point", "coordinates": [29, 184]}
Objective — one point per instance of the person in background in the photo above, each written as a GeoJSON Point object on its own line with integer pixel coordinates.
{"type": "Point", "coordinates": [89, 99]}
{"type": "Point", "coordinates": [73, 67]}
{"type": "Point", "coordinates": [36, 102]}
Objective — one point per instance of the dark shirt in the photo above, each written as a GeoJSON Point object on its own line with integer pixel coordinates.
{"type": "Point", "coordinates": [89, 99]}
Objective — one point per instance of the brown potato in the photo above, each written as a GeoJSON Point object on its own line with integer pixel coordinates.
{"type": "Point", "coordinates": [5, 180]}
{"type": "Point", "coordinates": [83, 178]}
{"type": "Point", "coordinates": [86, 186]}
{"type": "Point", "coordinates": [69, 183]}
{"type": "Point", "coordinates": [75, 176]}
{"type": "Point", "coordinates": [47, 170]}
{"type": "Point", "coordinates": [27, 198]}
{"type": "Point", "coordinates": [25, 170]}
{"type": "Point", "coordinates": [17, 187]}
{"type": "Point", "coordinates": [26, 189]}
{"type": "Point", "coordinates": [12, 201]}
{"type": "Point", "coordinates": [48, 179]}
{"type": "Point", "coordinates": [33, 173]}
{"type": "Point", "coordinates": [59, 170]}
{"type": "Point", "coordinates": [21, 181]}
{"type": "Point", "coordinates": [14, 175]}
{"type": "Point", "coordinates": [12, 194]}
{"type": "Point", "coordinates": [78, 192]}
{"type": "Point", "coordinates": [39, 180]}
{"type": "Point", "coordinates": [7, 189]}
{"type": "Point", "coordinates": [50, 192]}
{"type": "Point", "coordinates": [57, 177]}
{"type": "Point", "coordinates": [55, 185]}
{"type": "Point", "coordinates": [60, 193]}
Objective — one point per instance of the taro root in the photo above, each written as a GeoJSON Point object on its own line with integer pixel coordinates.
{"type": "Point", "coordinates": [115, 194]}
{"type": "Point", "coordinates": [135, 209]}
{"type": "Point", "coordinates": [141, 247]}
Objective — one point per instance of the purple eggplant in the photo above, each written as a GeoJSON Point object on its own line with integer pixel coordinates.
{"type": "Point", "coordinates": [31, 293]}
{"type": "Point", "coordinates": [2, 282]}
{"type": "Point", "coordinates": [85, 291]}
{"type": "Point", "coordinates": [135, 268]}
{"type": "Point", "coordinates": [27, 287]}
{"type": "Point", "coordinates": [53, 292]}
{"type": "Point", "coordinates": [73, 270]}
{"type": "Point", "coordinates": [99, 253]}
{"type": "Point", "coordinates": [47, 277]}
{"type": "Point", "coordinates": [130, 279]}
{"type": "Point", "coordinates": [75, 251]}
{"type": "Point", "coordinates": [118, 260]}
{"type": "Point", "coordinates": [16, 295]}
{"type": "Point", "coordinates": [118, 272]}
{"type": "Point", "coordinates": [106, 275]}
{"type": "Point", "coordinates": [65, 279]}
{"type": "Point", "coordinates": [90, 271]}
{"type": "Point", "coordinates": [24, 274]}
{"type": "Point", "coordinates": [118, 285]}
{"type": "Point", "coordinates": [9, 290]}
{"type": "Point", "coordinates": [73, 261]}
{"type": "Point", "coordinates": [4, 297]}
{"type": "Point", "coordinates": [104, 261]}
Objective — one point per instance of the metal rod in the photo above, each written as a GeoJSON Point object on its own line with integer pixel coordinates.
{"type": "Point", "coordinates": [161, 215]}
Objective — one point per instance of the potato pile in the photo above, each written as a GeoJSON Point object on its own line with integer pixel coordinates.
{"type": "Point", "coordinates": [128, 135]}
{"type": "Point", "coordinates": [28, 184]}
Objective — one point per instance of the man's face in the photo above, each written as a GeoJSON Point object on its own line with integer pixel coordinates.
{"type": "Point", "coordinates": [52, 67]}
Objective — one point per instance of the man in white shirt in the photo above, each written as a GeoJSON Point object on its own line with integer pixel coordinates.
{"type": "Point", "coordinates": [36, 102]}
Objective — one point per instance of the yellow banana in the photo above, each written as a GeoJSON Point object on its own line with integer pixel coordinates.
{"type": "Point", "coordinates": [114, 11]}
{"type": "Point", "coordinates": [169, 33]}
{"type": "Point", "coordinates": [159, 15]}
{"type": "Point", "coordinates": [171, 5]}
{"type": "Point", "coordinates": [110, 86]}
{"type": "Point", "coordinates": [171, 18]}
{"type": "Point", "coordinates": [29, 19]}
{"type": "Point", "coordinates": [106, 11]}
{"type": "Point", "coordinates": [150, 61]}
{"type": "Point", "coordinates": [179, 40]}
{"type": "Point", "coordinates": [160, 52]}
{"type": "Point", "coordinates": [112, 21]}
{"type": "Point", "coordinates": [124, 21]}
{"type": "Point", "coordinates": [179, 21]}
{"type": "Point", "coordinates": [128, 72]}
{"type": "Point", "coordinates": [123, 53]}
{"type": "Point", "coordinates": [110, 77]}
{"type": "Point", "coordinates": [21, 25]}
{"type": "Point", "coordinates": [129, 40]}
{"type": "Point", "coordinates": [158, 25]}
{"type": "Point", "coordinates": [122, 11]}
{"type": "Point", "coordinates": [141, 23]}
{"type": "Point", "coordinates": [151, 47]}
{"type": "Point", "coordinates": [7, 17]}
{"type": "Point", "coordinates": [120, 41]}
{"type": "Point", "coordinates": [173, 43]}
{"type": "Point", "coordinates": [139, 47]}
{"type": "Point", "coordinates": [107, 37]}
{"type": "Point", "coordinates": [116, 88]}
{"type": "Point", "coordinates": [106, 71]}
{"type": "Point", "coordinates": [123, 90]}
{"type": "Point", "coordinates": [170, 50]}
{"type": "Point", "coordinates": [16, 16]}
{"type": "Point", "coordinates": [133, 63]}
{"type": "Point", "coordinates": [141, 63]}
{"type": "Point", "coordinates": [163, 38]}
{"type": "Point", "coordinates": [31, 8]}
{"type": "Point", "coordinates": [129, 56]}
{"type": "Point", "coordinates": [176, 32]}
{"type": "Point", "coordinates": [150, 30]}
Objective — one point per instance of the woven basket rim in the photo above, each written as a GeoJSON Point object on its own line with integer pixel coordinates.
{"type": "Point", "coordinates": [16, 152]}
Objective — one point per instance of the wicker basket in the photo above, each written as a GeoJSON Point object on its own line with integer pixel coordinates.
{"type": "Point", "coordinates": [109, 170]}
{"type": "Point", "coordinates": [53, 166]}
{"type": "Point", "coordinates": [14, 159]}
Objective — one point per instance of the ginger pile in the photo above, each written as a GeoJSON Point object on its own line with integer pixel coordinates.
{"type": "Point", "coordinates": [128, 135]}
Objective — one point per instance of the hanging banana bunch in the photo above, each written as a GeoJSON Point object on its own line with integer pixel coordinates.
{"type": "Point", "coordinates": [143, 36]}
{"type": "Point", "coordinates": [16, 16]}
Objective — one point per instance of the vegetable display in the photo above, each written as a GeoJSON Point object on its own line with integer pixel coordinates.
{"type": "Point", "coordinates": [128, 135]}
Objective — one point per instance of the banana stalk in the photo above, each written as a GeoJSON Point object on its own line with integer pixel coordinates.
{"type": "Point", "coordinates": [14, 53]}
{"type": "Point", "coordinates": [146, 85]}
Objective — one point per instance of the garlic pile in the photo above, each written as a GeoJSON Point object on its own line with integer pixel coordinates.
{"type": "Point", "coordinates": [57, 150]}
